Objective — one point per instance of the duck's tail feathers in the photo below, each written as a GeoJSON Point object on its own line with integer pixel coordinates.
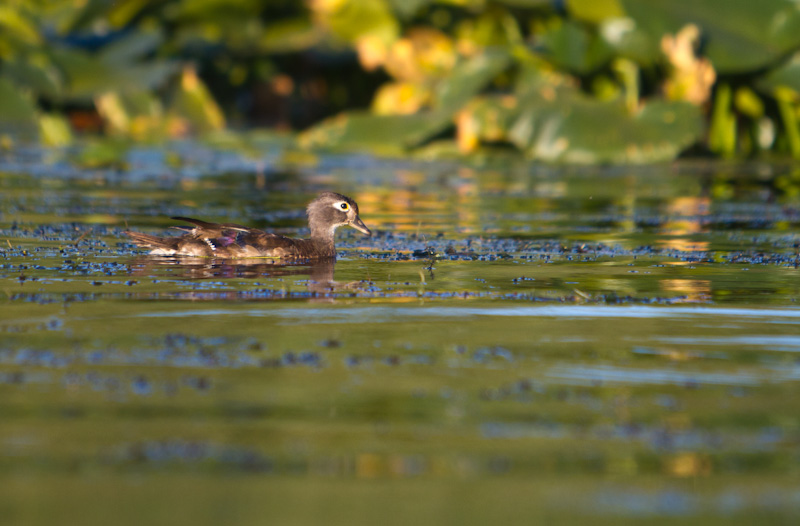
{"type": "Point", "coordinates": [148, 241]}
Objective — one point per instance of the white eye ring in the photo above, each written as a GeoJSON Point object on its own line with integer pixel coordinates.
{"type": "Point", "coordinates": [343, 206]}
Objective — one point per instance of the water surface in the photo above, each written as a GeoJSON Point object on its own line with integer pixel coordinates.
{"type": "Point", "coordinates": [515, 343]}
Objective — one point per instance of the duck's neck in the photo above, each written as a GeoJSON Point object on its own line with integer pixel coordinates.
{"type": "Point", "coordinates": [321, 242]}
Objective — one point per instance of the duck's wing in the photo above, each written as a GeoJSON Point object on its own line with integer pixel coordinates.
{"type": "Point", "coordinates": [222, 240]}
{"type": "Point", "coordinates": [220, 234]}
{"type": "Point", "coordinates": [210, 229]}
{"type": "Point", "coordinates": [203, 239]}
{"type": "Point", "coordinates": [232, 240]}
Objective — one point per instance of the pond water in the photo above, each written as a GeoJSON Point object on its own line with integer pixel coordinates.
{"type": "Point", "coordinates": [514, 343]}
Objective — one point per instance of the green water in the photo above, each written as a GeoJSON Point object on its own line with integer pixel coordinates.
{"type": "Point", "coordinates": [515, 344]}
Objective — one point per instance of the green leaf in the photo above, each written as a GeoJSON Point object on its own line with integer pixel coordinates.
{"type": "Point", "coordinates": [408, 8]}
{"type": "Point", "coordinates": [131, 47]}
{"type": "Point", "coordinates": [84, 13]}
{"type": "Point", "coordinates": [788, 111]}
{"type": "Point", "coordinates": [786, 75]}
{"type": "Point", "coordinates": [469, 78]}
{"type": "Point", "coordinates": [287, 36]}
{"type": "Point", "coordinates": [386, 133]}
{"type": "Point", "coordinates": [397, 133]}
{"type": "Point", "coordinates": [741, 35]}
{"type": "Point", "coordinates": [630, 41]}
{"type": "Point", "coordinates": [17, 24]}
{"type": "Point", "coordinates": [356, 18]}
{"type": "Point", "coordinates": [122, 13]}
{"type": "Point", "coordinates": [103, 153]}
{"type": "Point", "coordinates": [594, 10]}
{"type": "Point", "coordinates": [55, 130]}
{"type": "Point", "coordinates": [43, 80]}
{"type": "Point", "coordinates": [571, 128]}
{"type": "Point", "coordinates": [487, 119]}
{"type": "Point", "coordinates": [88, 75]}
{"type": "Point", "coordinates": [573, 47]}
{"type": "Point", "coordinates": [748, 103]}
{"type": "Point", "coordinates": [17, 113]}
{"type": "Point", "coordinates": [722, 133]}
{"type": "Point", "coordinates": [527, 4]}
{"type": "Point", "coordinates": [193, 102]}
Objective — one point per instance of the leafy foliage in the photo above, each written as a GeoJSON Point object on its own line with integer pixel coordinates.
{"type": "Point", "coordinates": [581, 81]}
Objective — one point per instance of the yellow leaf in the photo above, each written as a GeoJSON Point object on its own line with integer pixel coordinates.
{"type": "Point", "coordinates": [467, 127]}
{"type": "Point", "coordinates": [194, 106]}
{"type": "Point", "coordinates": [691, 77]}
{"type": "Point", "coordinates": [423, 53]}
{"type": "Point", "coordinates": [372, 51]}
{"type": "Point", "coordinates": [54, 130]}
{"type": "Point", "coordinates": [399, 98]}
{"type": "Point", "coordinates": [12, 21]}
{"type": "Point", "coordinates": [111, 109]}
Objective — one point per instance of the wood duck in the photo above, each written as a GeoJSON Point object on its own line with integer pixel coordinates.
{"type": "Point", "coordinates": [326, 213]}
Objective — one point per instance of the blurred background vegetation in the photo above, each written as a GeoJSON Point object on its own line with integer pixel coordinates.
{"type": "Point", "coordinates": [579, 81]}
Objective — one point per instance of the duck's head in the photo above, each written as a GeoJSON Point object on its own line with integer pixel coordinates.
{"type": "Point", "coordinates": [329, 211]}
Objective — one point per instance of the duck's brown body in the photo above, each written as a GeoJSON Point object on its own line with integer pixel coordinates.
{"type": "Point", "coordinates": [325, 214]}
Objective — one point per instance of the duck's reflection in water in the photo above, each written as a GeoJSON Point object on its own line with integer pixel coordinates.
{"type": "Point", "coordinates": [320, 274]}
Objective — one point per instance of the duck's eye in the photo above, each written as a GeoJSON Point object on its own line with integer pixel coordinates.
{"type": "Point", "coordinates": [344, 206]}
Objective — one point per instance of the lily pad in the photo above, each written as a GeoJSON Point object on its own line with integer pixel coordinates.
{"type": "Point", "coordinates": [574, 48]}
{"type": "Point", "coordinates": [469, 78]}
{"type": "Point", "coordinates": [785, 76]}
{"type": "Point", "coordinates": [567, 127]}
{"type": "Point", "coordinates": [89, 75]}
{"type": "Point", "coordinates": [742, 35]}
{"type": "Point", "coordinates": [397, 133]}
{"type": "Point", "coordinates": [388, 134]}
{"type": "Point", "coordinates": [630, 41]}
{"type": "Point", "coordinates": [485, 119]}
{"type": "Point", "coordinates": [43, 79]}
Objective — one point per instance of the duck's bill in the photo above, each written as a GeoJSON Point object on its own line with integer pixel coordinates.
{"type": "Point", "coordinates": [359, 225]}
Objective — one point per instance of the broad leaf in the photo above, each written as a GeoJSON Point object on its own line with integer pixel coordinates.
{"type": "Point", "coordinates": [469, 78]}
{"type": "Point", "coordinates": [386, 133]}
{"type": "Point", "coordinates": [742, 35]}
{"type": "Point", "coordinates": [43, 80]}
{"type": "Point", "coordinates": [786, 76]}
{"type": "Point", "coordinates": [17, 113]}
{"type": "Point", "coordinates": [573, 47]}
{"type": "Point", "coordinates": [571, 128]}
